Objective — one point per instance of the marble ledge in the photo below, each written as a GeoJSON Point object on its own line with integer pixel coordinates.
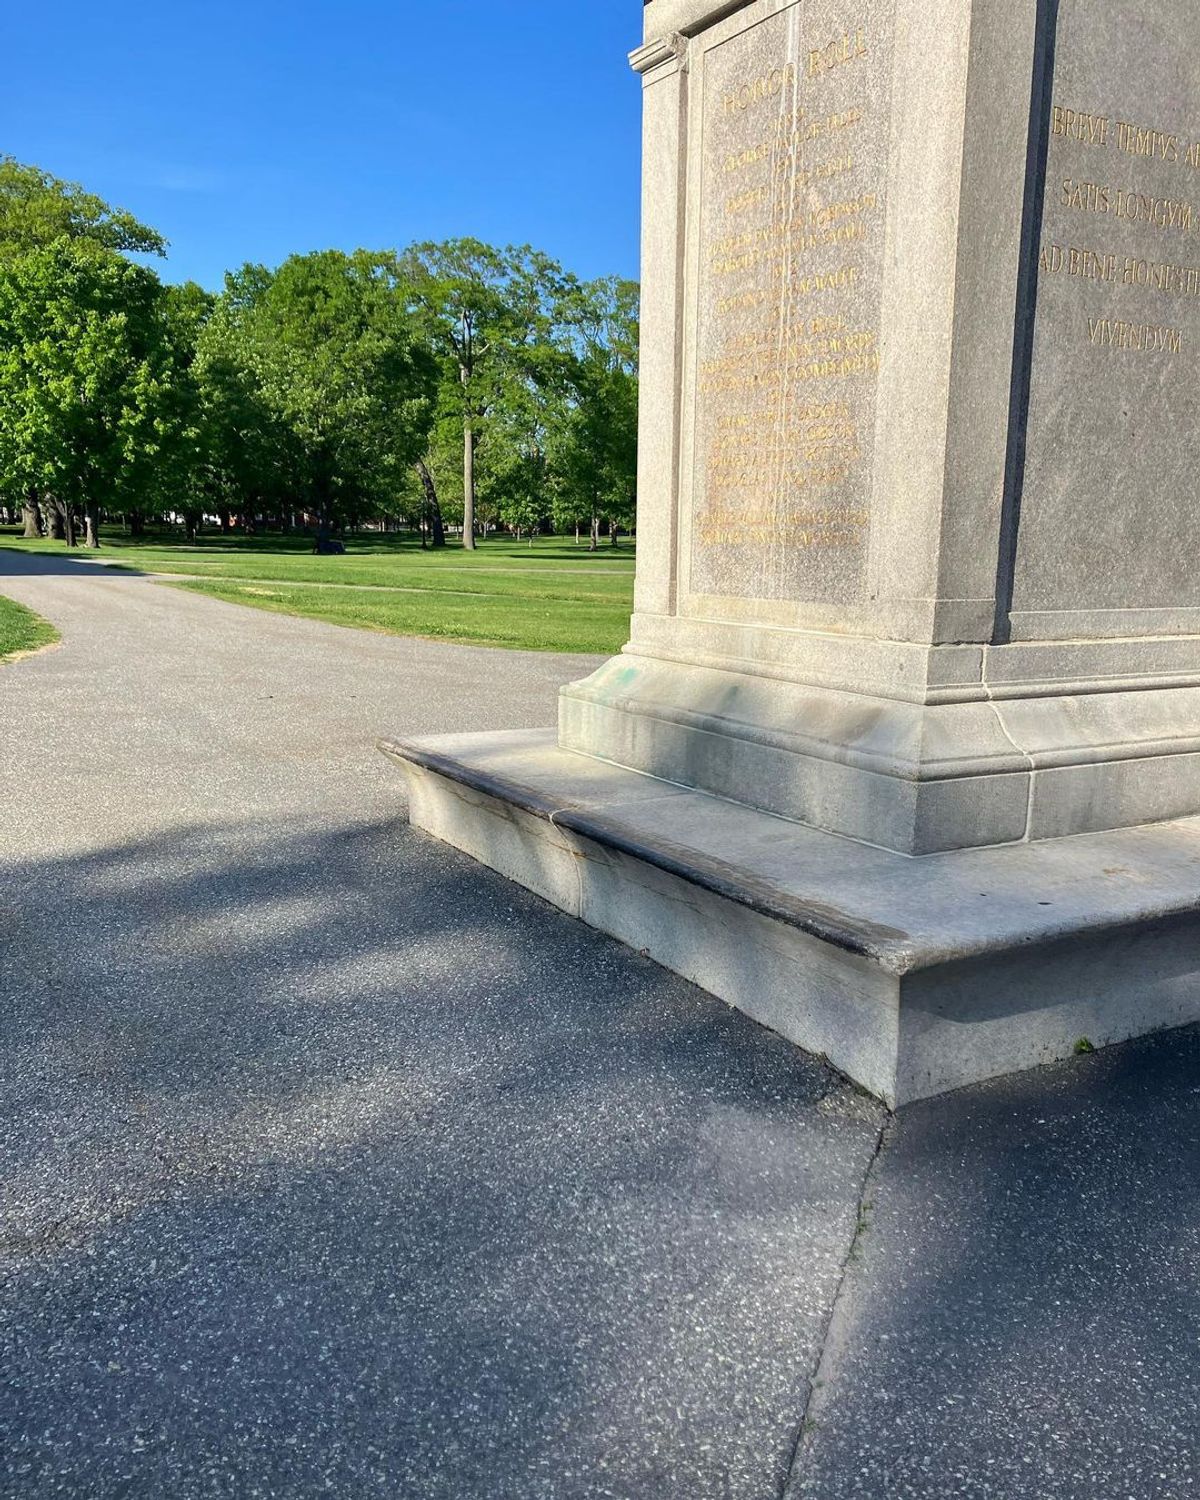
{"type": "Point", "coordinates": [901, 912]}
{"type": "Point", "coordinates": [911, 976]}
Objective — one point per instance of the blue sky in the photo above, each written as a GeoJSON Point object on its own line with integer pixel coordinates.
{"type": "Point", "coordinates": [249, 131]}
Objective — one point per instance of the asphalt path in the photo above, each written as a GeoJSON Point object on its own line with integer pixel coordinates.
{"type": "Point", "coordinates": [333, 1164]}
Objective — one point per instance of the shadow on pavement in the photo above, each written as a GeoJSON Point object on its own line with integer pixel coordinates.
{"type": "Point", "coordinates": [1025, 1318]}
{"type": "Point", "coordinates": [336, 1166]}
{"type": "Point", "coordinates": [18, 564]}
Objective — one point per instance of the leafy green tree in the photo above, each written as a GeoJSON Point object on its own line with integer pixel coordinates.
{"type": "Point", "coordinates": [593, 452]}
{"type": "Point", "coordinates": [454, 380]}
{"type": "Point", "coordinates": [334, 357]}
{"type": "Point", "coordinates": [178, 474]}
{"type": "Point", "coordinates": [442, 476]}
{"type": "Point", "coordinates": [37, 209]}
{"type": "Point", "coordinates": [248, 458]}
{"type": "Point", "coordinates": [516, 486]}
{"type": "Point", "coordinates": [514, 471]}
{"type": "Point", "coordinates": [430, 506]}
{"type": "Point", "coordinates": [493, 318]}
{"type": "Point", "coordinates": [84, 374]}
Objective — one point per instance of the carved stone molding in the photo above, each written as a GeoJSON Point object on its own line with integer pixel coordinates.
{"type": "Point", "coordinates": [663, 52]}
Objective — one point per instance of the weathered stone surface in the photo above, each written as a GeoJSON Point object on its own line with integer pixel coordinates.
{"type": "Point", "coordinates": [851, 241]}
{"type": "Point", "coordinates": [837, 334]}
{"type": "Point", "coordinates": [916, 539]}
{"type": "Point", "coordinates": [1108, 532]}
{"type": "Point", "coordinates": [792, 130]}
{"type": "Point", "coordinates": [911, 976]}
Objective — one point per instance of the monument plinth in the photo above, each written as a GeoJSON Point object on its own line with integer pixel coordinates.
{"type": "Point", "coordinates": [913, 688]}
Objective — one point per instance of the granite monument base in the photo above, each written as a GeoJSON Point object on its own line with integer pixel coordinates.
{"type": "Point", "coordinates": [912, 975]}
{"type": "Point", "coordinates": [982, 745]}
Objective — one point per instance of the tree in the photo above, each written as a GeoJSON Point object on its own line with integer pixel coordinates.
{"type": "Point", "coordinates": [37, 213]}
{"type": "Point", "coordinates": [452, 380]}
{"type": "Point", "coordinates": [431, 508]}
{"type": "Point", "coordinates": [31, 515]}
{"type": "Point", "coordinates": [247, 457]}
{"type": "Point", "coordinates": [517, 481]}
{"type": "Point", "coordinates": [442, 461]}
{"type": "Point", "coordinates": [36, 209]}
{"type": "Point", "coordinates": [336, 361]}
{"type": "Point", "coordinates": [179, 471]}
{"type": "Point", "coordinates": [492, 318]}
{"type": "Point", "coordinates": [514, 472]}
{"type": "Point", "coordinates": [594, 452]}
{"type": "Point", "coordinates": [84, 372]}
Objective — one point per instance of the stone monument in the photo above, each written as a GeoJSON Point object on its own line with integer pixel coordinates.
{"type": "Point", "coordinates": [903, 757]}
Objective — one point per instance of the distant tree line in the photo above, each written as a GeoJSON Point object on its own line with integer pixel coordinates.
{"type": "Point", "coordinates": [451, 385]}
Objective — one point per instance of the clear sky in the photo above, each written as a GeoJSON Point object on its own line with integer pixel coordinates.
{"type": "Point", "coordinates": [246, 131]}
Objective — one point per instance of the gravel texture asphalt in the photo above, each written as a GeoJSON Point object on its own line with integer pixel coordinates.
{"type": "Point", "coordinates": [1022, 1316]}
{"type": "Point", "coordinates": [333, 1164]}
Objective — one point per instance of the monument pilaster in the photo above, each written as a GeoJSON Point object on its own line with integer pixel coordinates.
{"type": "Point", "coordinates": [662, 63]}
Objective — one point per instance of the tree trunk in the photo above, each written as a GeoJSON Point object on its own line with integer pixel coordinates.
{"type": "Point", "coordinates": [137, 523]}
{"type": "Point", "coordinates": [31, 513]}
{"type": "Point", "coordinates": [612, 533]}
{"type": "Point", "coordinates": [468, 536]}
{"type": "Point", "coordinates": [594, 538]}
{"type": "Point", "coordinates": [55, 514]}
{"type": "Point", "coordinates": [69, 535]}
{"type": "Point", "coordinates": [437, 527]}
{"type": "Point", "coordinates": [577, 533]}
{"type": "Point", "coordinates": [91, 524]}
{"type": "Point", "coordinates": [189, 525]}
{"type": "Point", "coordinates": [226, 523]}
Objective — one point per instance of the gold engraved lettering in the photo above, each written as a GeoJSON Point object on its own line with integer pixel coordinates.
{"type": "Point", "coordinates": [1138, 140]}
{"type": "Point", "coordinates": [1086, 197]}
{"type": "Point", "coordinates": [1181, 281]}
{"type": "Point", "coordinates": [767, 86]}
{"type": "Point", "coordinates": [1092, 265]}
{"type": "Point", "coordinates": [836, 54]}
{"type": "Point", "coordinates": [743, 203]}
{"type": "Point", "coordinates": [1167, 277]}
{"type": "Point", "coordinates": [1138, 205]}
{"type": "Point", "coordinates": [1144, 208]}
{"type": "Point", "coordinates": [790, 142]}
{"type": "Point", "coordinates": [788, 351]}
{"type": "Point", "coordinates": [1076, 125]}
{"type": "Point", "coordinates": [1115, 334]}
{"type": "Point", "coordinates": [750, 157]}
{"type": "Point", "coordinates": [1158, 276]}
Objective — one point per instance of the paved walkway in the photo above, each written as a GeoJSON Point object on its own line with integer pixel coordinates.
{"type": "Point", "coordinates": [332, 1164]}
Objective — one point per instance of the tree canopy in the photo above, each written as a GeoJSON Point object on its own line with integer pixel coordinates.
{"type": "Point", "coordinates": [37, 209]}
{"type": "Point", "coordinates": [452, 383]}
{"type": "Point", "coordinates": [84, 377]}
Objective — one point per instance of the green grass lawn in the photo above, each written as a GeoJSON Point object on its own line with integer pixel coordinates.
{"type": "Point", "coordinates": [552, 596]}
{"type": "Point", "coordinates": [22, 630]}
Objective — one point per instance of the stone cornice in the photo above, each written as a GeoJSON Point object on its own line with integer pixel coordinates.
{"type": "Point", "coordinates": [668, 49]}
{"type": "Point", "coordinates": [686, 16]}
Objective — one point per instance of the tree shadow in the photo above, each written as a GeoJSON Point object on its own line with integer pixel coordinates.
{"type": "Point", "coordinates": [334, 1162]}
{"type": "Point", "coordinates": [1025, 1317]}
{"type": "Point", "coordinates": [18, 564]}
